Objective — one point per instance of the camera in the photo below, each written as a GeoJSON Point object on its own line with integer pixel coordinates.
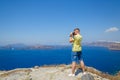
{"type": "Point", "coordinates": [73, 33]}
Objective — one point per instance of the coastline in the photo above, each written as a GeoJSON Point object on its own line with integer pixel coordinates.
{"type": "Point", "coordinates": [109, 45]}
{"type": "Point", "coordinates": [53, 72]}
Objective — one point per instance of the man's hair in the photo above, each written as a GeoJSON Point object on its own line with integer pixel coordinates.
{"type": "Point", "coordinates": [77, 29]}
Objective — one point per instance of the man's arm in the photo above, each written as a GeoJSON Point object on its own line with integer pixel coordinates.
{"type": "Point", "coordinates": [71, 40]}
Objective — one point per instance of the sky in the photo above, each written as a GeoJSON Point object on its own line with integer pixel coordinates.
{"type": "Point", "coordinates": [51, 21]}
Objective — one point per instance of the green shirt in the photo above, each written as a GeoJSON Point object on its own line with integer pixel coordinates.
{"type": "Point", "coordinates": [76, 46]}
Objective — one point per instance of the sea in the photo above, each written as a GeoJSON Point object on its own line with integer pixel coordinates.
{"type": "Point", "coordinates": [101, 58]}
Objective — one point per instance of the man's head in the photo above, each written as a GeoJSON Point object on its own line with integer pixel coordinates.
{"type": "Point", "coordinates": [76, 31]}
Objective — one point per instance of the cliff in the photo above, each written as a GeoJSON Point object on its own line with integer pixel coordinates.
{"type": "Point", "coordinates": [109, 45]}
{"type": "Point", "coordinates": [59, 72]}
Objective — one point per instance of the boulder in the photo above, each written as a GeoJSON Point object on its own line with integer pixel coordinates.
{"type": "Point", "coordinates": [87, 77]}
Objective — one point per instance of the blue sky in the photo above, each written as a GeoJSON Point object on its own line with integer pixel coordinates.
{"type": "Point", "coordinates": [51, 21]}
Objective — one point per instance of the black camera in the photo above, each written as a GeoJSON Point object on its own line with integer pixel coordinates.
{"type": "Point", "coordinates": [73, 33]}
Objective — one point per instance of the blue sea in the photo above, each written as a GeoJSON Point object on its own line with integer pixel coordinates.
{"type": "Point", "coordinates": [100, 58]}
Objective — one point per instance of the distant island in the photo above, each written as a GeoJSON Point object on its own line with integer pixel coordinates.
{"type": "Point", "coordinates": [19, 46]}
{"type": "Point", "coordinates": [110, 45]}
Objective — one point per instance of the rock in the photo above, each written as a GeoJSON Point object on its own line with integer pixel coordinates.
{"type": "Point", "coordinates": [87, 77]}
{"type": "Point", "coordinates": [15, 75]}
{"type": "Point", "coordinates": [50, 73]}
{"type": "Point", "coordinates": [36, 67]}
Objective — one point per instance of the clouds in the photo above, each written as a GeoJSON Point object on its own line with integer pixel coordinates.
{"type": "Point", "coordinates": [112, 29]}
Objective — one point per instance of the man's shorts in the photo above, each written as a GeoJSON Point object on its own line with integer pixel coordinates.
{"type": "Point", "coordinates": [76, 56]}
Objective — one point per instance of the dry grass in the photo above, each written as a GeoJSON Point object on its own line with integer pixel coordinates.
{"type": "Point", "coordinates": [104, 75]}
{"type": "Point", "coordinates": [7, 73]}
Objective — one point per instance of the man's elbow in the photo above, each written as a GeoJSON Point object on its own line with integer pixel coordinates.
{"type": "Point", "coordinates": [70, 41]}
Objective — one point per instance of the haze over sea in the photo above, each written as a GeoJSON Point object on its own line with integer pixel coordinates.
{"type": "Point", "coordinates": [98, 57]}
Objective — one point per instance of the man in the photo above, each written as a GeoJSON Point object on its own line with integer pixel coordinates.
{"type": "Point", "coordinates": [75, 39]}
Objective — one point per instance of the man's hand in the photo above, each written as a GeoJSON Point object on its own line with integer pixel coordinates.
{"type": "Point", "coordinates": [71, 34]}
{"type": "Point", "coordinates": [71, 38]}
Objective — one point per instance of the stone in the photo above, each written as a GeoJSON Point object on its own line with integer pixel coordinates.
{"type": "Point", "coordinates": [87, 77]}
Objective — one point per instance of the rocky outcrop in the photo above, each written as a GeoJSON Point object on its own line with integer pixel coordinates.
{"type": "Point", "coordinates": [109, 45]}
{"type": "Point", "coordinates": [59, 72]}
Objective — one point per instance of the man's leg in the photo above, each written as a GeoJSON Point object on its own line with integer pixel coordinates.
{"type": "Point", "coordinates": [73, 67]}
{"type": "Point", "coordinates": [81, 61]}
{"type": "Point", "coordinates": [74, 59]}
{"type": "Point", "coordinates": [82, 65]}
